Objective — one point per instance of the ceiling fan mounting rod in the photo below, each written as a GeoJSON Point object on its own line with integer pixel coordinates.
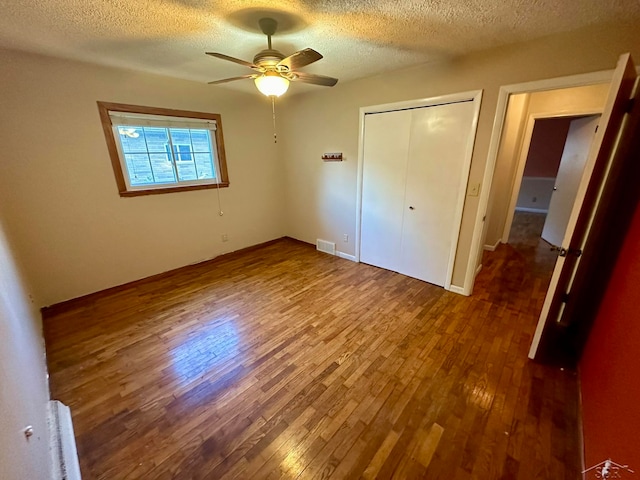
{"type": "Point", "coordinates": [268, 27]}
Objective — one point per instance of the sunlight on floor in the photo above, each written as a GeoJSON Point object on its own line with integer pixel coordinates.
{"type": "Point", "coordinates": [200, 354]}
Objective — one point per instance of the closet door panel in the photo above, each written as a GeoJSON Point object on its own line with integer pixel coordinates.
{"type": "Point", "coordinates": [386, 143]}
{"type": "Point", "coordinates": [438, 145]}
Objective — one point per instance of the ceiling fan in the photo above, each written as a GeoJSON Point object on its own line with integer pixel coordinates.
{"type": "Point", "coordinates": [273, 69]}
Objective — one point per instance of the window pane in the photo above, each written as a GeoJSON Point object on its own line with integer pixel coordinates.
{"type": "Point", "coordinates": [157, 139]}
{"type": "Point", "coordinates": [204, 165]}
{"type": "Point", "coordinates": [183, 153]}
{"type": "Point", "coordinates": [162, 168]}
{"type": "Point", "coordinates": [132, 139]}
{"type": "Point", "coordinates": [138, 168]}
{"type": "Point", "coordinates": [200, 140]}
{"type": "Point", "coordinates": [186, 171]}
{"type": "Point", "coordinates": [180, 136]}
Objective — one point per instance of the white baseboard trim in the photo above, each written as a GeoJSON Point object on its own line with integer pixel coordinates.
{"type": "Point", "coordinates": [346, 256]}
{"type": "Point", "coordinates": [458, 290]}
{"type": "Point", "coordinates": [531, 210]}
{"type": "Point", "coordinates": [64, 455]}
{"type": "Point", "coordinates": [492, 248]}
{"type": "Point", "coordinates": [478, 269]}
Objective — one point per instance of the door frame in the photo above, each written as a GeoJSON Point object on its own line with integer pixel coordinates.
{"type": "Point", "coordinates": [479, 231]}
{"type": "Point", "coordinates": [476, 97]}
{"type": "Point", "coordinates": [524, 153]}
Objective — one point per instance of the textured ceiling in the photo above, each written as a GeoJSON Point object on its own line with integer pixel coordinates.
{"type": "Point", "coordinates": [357, 37]}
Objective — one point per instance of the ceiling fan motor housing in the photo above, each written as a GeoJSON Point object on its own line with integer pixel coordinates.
{"type": "Point", "coordinates": [268, 58]}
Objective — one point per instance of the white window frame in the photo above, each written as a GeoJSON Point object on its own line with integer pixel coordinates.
{"type": "Point", "coordinates": [114, 116]}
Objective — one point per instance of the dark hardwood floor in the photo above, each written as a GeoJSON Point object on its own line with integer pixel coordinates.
{"type": "Point", "coordinates": [525, 238]}
{"type": "Point", "coordinates": [283, 362]}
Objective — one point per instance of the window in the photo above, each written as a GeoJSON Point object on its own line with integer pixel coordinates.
{"type": "Point", "coordinates": [157, 150]}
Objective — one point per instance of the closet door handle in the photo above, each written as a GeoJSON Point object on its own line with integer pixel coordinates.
{"type": "Point", "coordinates": [411, 208]}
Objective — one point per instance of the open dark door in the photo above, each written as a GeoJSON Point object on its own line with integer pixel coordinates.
{"type": "Point", "coordinates": [606, 154]}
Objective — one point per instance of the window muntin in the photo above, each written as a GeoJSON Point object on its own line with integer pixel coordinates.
{"type": "Point", "coordinates": [160, 150]}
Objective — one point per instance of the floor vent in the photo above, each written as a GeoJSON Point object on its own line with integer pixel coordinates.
{"type": "Point", "coordinates": [325, 246]}
{"type": "Point", "coordinates": [63, 444]}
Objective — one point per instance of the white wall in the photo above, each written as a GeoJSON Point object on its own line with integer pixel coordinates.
{"type": "Point", "coordinates": [535, 194]}
{"type": "Point", "coordinates": [74, 233]}
{"type": "Point", "coordinates": [321, 197]}
{"type": "Point", "coordinates": [508, 152]}
{"type": "Point", "coordinates": [23, 379]}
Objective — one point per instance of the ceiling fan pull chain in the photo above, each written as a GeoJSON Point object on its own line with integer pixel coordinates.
{"type": "Point", "coordinates": [273, 111]}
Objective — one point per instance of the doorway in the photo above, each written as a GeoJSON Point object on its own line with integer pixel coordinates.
{"type": "Point", "coordinates": [606, 159]}
{"type": "Point", "coordinates": [554, 157]}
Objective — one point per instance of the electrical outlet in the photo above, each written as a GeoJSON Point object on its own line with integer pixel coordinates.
{"type": "Point", "coordinates": [225, 237]}
{"type": "Point", "coordinates": [345, 237]}
{"type": "Point", "coordinates": [534, 199]}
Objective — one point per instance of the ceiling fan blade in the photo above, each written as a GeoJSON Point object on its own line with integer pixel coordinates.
{"type": "Point", "coordinates": [232, 79]}
{"type": "Point", "coordinates": [300, 59]}
{"type": "Point", "coordinates": [314, 79]}
{"type": "Point", "coordinates": [232, 59]}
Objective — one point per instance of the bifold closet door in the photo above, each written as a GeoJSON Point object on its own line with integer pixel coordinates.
{"type": "Point", "coordinates": [412, 176]}
{"type": "Point", "coordinates": [386, 143]}
{"type": "Point", "coordinates": [437, 149]}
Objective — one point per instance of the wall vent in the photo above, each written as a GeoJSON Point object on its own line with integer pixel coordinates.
{"type": "Point", "coordinates": [325, 246]}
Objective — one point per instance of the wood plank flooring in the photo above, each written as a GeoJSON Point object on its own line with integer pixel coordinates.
{"type": "Point", "coordinates": [525, 238]}
{"type": "Point", "coordinates": [283, 362]}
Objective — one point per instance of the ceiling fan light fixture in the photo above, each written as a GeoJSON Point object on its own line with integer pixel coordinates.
{"type": "Point", "coordinates": [271, 84]}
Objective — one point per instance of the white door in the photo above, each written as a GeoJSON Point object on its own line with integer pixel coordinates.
{"type": "Point", "coordinates": [574, 156]}
{"type": "Point", "coordinates": [386, 143]}
{"type": "Point", "coordinates": [415, 161]}
{"type": "Point", "coordinates": [602, 155]}
{"type": "Point", "coordinates": [437, 150]}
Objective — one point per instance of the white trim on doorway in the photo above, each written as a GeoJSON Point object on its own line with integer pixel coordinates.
{"type": "Point", "coordinates": [457, 290]}
{"type": "Point", "coordinates": [477, 239]}
{"type": "Point", "coordinates": [476, 97]}
{"type": "Point", "coordinates": [491, 248]}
